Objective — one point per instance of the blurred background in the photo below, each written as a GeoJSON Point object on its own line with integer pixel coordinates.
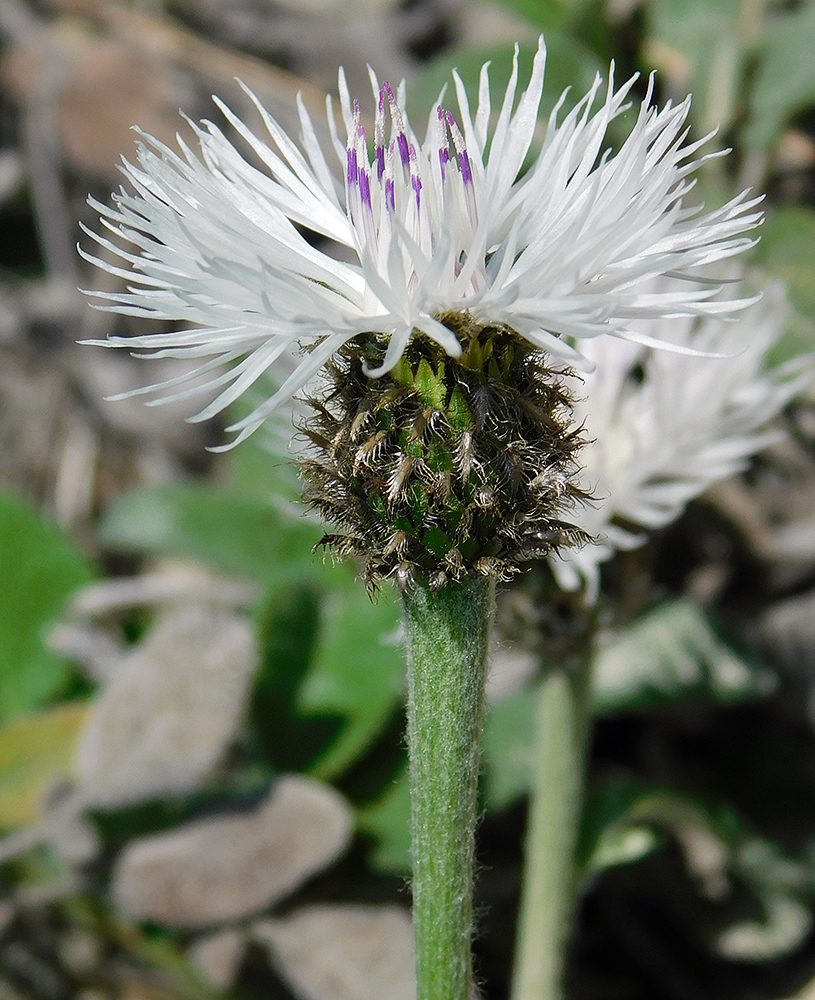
{"type": "Point", "coordinates": [201, 759]}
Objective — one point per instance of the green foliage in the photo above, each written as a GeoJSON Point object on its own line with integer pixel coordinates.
{"type": "Point", "coordinates": [569, 64]}
{"type": "Point", "coordinates": [702, 47]}
{"type": "Point", "coordinates": [289, 626]}
{"type": "Point", "coordinates": [387, 820]}
{"type": "Point", "coordinates": [625, 819]}
{"type": "Point", "coordinates": [357, 673]}
{"type": "Point", "coordinates": [509, 735]}
{"type": "Point", "coordinates": [332, 668]}
{"type": "Point", "coordinates": [671, 653]}
{"type": "Point", "coordinates": [787, 250]}
{"type": "Point", "coordinates": [784, 83]}
{"type": "Point", "coordinates": [751, 60]}
{"type": "Point", "coordinates": [39, 567]}
{"type": "Point", "coordinates": [233, 533]}
{"type": "Point", "coordinates": [35, 751]}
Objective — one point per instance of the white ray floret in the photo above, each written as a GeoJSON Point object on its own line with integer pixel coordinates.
{"type": "Point", "coordinates": [567, 249]}
{"type": "Point", "coordinates": [664, 427]}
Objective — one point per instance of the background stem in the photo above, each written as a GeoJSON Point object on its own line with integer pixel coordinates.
{"type": "Point", "coordinates": [556, 799]}
{"type": "Point", "coordinates": [448, 632]}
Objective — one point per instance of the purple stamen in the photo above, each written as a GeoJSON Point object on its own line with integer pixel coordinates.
{"type": "Point", "coordinates": [364, 188]}
{"type": "Point", "coordinates": [398, 125]}
{"type": "Point", "coordinates": [416, 182]}
{"type": "Point", "coordinates": [353, 173]}
{"type": "Point", "coordinates": [404, 152]}
{"type": "Point", "coordinates": [444, 159]}
{"type": "Point", "coordinates": [464, 163]}
{"type": "Point", "coordinates": [390, 201]}
{"type": "Point", "coordinates": [379, 153]}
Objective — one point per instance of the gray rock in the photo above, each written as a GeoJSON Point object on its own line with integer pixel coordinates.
{"type": "Point", "coordinates": [226, 868]}
{"type": "Point", "coordinates": [343, 952]}
{"type": "Point", "coordinates": [167, 715]}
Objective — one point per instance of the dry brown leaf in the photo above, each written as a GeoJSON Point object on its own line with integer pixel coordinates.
{"type": "Point", "coordinates": [100, 87]}
{"type": "Point", "coordinates": [343, 952]}
{"type": "Point", "coordinates": [226, 868]}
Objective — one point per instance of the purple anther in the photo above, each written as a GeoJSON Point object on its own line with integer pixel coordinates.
{"type": "Point", "coordinates": [404, 152]}
{"type": "Point", "coordinates": [379, 153]}
{"type": "Point", "coordinates": [464, 163]}
{"type": "Point", "coordinates": [390, 201]}
{"type": "Point", "coordinates": [353, 173]}
{"type": "Point", "coordinates": [364, 188]}
{"type": "Point", "coordinates": [444, 159]}
{"type": "Point", "coordinates": [416, 181]}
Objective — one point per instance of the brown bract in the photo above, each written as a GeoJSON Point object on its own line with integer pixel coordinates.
{"type": "Point", "coordinates": [444, 467]}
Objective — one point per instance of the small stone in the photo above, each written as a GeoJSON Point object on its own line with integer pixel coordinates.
{"type": "Point", "coordinates": [80, 952]}
{"type": "Point", "coordinates": [343, 952]}
{"type": "Point", "coordinates": [226, 868]}
{"type": "Point", "coordinates": [217, 956]}
{"type": "Point", "coordinates": [170, 711]}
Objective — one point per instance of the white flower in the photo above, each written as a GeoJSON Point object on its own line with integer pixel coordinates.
{"type": "Point", "coordinates": [566, 249]}
{"type": "Point", "coordinates": [663, 427]}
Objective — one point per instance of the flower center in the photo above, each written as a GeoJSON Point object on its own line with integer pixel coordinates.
{"type": "Point", "coordinates": [399, 194]}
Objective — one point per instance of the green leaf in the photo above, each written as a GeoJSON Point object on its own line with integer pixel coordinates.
{"type": "Point", "coordinates": [784, 83]}
{"type": "Point", "coordinates": [670, 653]}
{"type": "Point", "coordinates": [260, 469]}
{"type": "Point", "coordinates": [625, 819]}
{"type": "Point", "coordinates": [617, 825]}
{"type": "Point", "coordinates": [547, 15]}
{"type": "Point", "coordinates": [508, 748]}
{"type": "Point", "coordinates": [234, 534]}
{"type": "Point", "coordinates": [787, 250]}
{"type": "Point", "coordinates": [36, 751]}
{"type": "Point", "coordinates": [622, 846]}
{"type": "Point", "coordinates": [701, 47]}
{"type": "Point", "coordinates": [568, 64]}
{"type": "Point", "coordinates": [39, 567]}
{"type": "Point", "coordinates": [581, 20]}
{"type": "Point", "coordinates": [288, 628]}
{"type": "Point", "coordinates": [358, 672]}
{"type": "Point", "coordinates": [388, 821]}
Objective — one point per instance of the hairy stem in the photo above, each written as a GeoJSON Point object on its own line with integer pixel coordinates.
{"type": "Point", "coordinates": [448, 631]}
{"type": "Point", "coordinates": [556, 798]}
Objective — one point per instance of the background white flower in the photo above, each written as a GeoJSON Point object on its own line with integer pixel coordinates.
{"type": "Point", "coordinates": [567, 249]}
{"type": "Point", "coordinates": [663, 427]}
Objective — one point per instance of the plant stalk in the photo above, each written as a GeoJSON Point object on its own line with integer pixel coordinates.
{"type": "Point", "coordinates": [556, 800]}
{"type": "Point", "coordinates": [447, 640]}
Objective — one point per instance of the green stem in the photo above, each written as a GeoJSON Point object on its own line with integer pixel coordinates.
{"type": "Point", "coordinates": [448, 632]}
{"type": "Point", "coordinates": [556, 799]}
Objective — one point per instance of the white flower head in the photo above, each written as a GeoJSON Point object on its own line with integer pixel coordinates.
{"type": "Point", "coordinates": [567, 249]}
{"type": "Point", "coordinates": [664, 427]}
